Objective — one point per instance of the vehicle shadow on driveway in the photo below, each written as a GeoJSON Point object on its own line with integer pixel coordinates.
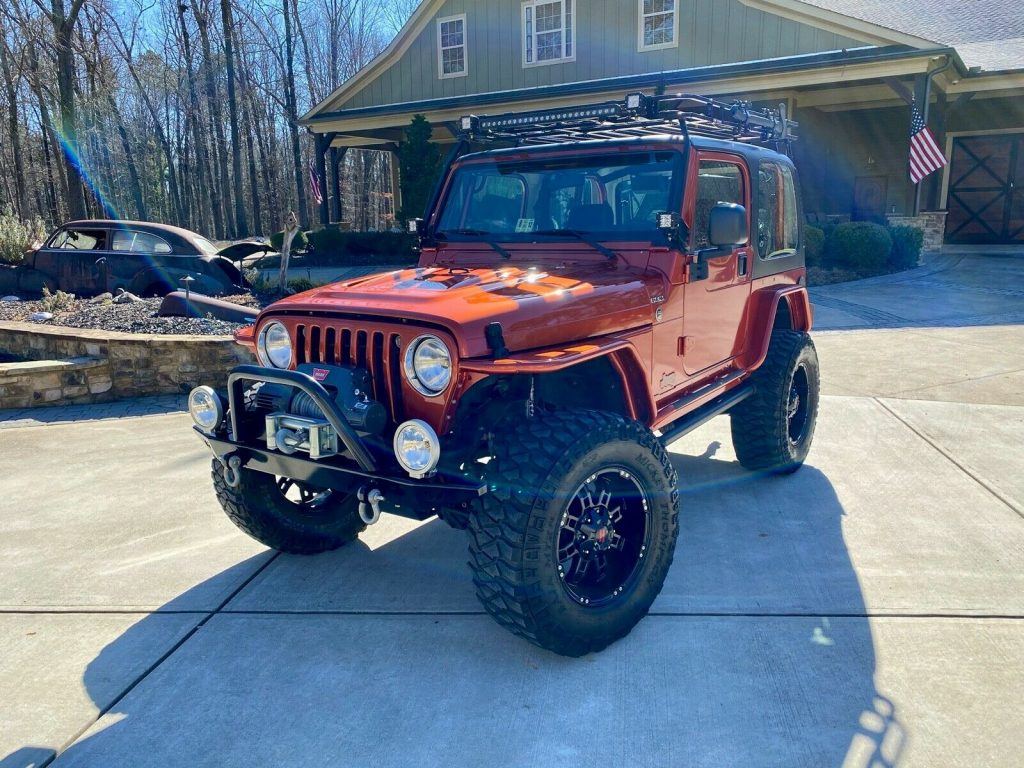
{"type": "Point", "coordinates": [758, 653]}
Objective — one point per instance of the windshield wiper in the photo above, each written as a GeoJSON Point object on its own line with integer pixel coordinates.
{"type": "Point", "coordinates": [477, 233]}
{"type": "Point", "coordinates": [583, 237]}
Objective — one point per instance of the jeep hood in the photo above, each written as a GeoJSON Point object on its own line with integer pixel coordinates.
{"type": "Point", "coordinates": [537, 307]}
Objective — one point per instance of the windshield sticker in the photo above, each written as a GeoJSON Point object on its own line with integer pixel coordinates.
{"type": "Point", "coordinates": [525, 225]}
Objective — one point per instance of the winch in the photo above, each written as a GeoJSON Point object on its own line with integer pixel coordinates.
{"type": "Point", "coordinates": [295, 423]}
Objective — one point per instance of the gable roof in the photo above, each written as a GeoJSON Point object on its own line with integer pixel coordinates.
{"type": "Point", "coordinates": [986, 33]}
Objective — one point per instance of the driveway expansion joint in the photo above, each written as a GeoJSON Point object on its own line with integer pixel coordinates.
{"type": "Point", "coordinates": [979, 480]}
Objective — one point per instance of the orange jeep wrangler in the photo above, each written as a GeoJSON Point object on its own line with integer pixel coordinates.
{"type": "Point", "coordinates": [609, 278]}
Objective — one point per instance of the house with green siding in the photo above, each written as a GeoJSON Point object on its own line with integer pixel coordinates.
{"type": "Point", "coordinates": [847, 70]}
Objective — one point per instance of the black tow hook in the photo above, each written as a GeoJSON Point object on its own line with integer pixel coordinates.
{"type": "Point", "coordinates": [369, 504]}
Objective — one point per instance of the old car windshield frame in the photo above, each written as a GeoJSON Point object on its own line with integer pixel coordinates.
{"type": "Point", "coordinates": [605, 178]}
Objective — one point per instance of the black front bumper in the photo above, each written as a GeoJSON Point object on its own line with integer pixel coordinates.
{"type": "Point", "coordinates": [418, 499]}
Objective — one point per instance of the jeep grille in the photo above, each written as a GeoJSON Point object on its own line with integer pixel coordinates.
{"type": "Point", "coordinates": [379, 352]}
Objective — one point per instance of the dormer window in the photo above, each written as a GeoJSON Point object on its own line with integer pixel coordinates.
{"type": "Point", "coordinates": [451, 47]}
{"type": "Point", "coordinates": [549, 32]}
{"type": "Point", "coordinates": [659, 24]}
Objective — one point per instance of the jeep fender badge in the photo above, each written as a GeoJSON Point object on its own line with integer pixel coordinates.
{"type": "Point", "coordinates": [321, 374]}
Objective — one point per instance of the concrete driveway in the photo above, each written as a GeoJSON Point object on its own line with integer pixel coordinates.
{"type": "Point", "coordinates": [865, 611]}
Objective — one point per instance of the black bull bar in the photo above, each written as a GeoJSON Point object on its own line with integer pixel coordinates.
{"type": "Point", "coordinates": [416, 498]}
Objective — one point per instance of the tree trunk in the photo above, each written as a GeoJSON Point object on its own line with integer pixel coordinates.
{"type": "Point", "coordinates": [203, 167]}
{"type": "Point", "coordinates": [20, 182]}
{"type": "Point", "coordinates": [241, 226]}
{"type": "Point", "coordinates": [63, 29]}
{"type": "Point", "coordinates": [216, 122]}
{"type": "Point", "coordinates": [293, 118]}
{"type": "Point", "coordinates": [135, 185]}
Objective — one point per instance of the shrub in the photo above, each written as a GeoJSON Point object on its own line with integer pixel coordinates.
{"type": "Point", "coordinates": [301, 284]}
{"type": "Point", "coordinates": [859, 246]}
{"type": "Point", "coordinates": [17, 236]}
{"type": "Point", "coordinates": [419, 162]}
{"type": "Point", "coordinates": [333, 247]}
{"type": "Point", "coordinates": [814, 245]}
{"type": "Point", "coordinates": [300, 243]}
{"type": "Point", "coordinates": [906, 247]}
{"type": "Point", "coordinates": [56, 302]}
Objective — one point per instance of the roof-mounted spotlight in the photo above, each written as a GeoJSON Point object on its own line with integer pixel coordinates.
{"type": "Point", "coordinates": [467, 123]}
{"type": "Point", "coordinates": [634, 100]}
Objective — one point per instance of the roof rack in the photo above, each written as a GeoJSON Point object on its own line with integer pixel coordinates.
{"type": "Point", "coordinates": [637, 115]}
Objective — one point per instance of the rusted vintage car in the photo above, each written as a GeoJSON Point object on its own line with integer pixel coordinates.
{"type": "Point", "coordinates": [94, 256]}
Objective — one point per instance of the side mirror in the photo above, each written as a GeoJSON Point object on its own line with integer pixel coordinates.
{"type": "Point", "coordinates": [727, 225]}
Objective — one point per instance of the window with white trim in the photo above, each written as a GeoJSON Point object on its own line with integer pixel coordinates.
{"type": "Point", "coordinates": [451, 47]}
{"type": "Point", "coordinates": [549, 32]}
{"type": "Point", "coordinates": [659, 24]}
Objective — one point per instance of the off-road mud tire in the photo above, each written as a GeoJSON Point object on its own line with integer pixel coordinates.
{"type": "Point", "coordinates": [513, 534]}
{"type": "Point", "coordinates": [761, 424]}
{"type": "Point", "coordinates": [260, 510]}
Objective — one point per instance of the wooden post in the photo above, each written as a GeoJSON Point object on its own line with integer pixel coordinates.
{"type": "Point", "coordinates": [291, 228]}
{"type": "Point", "coordinates": [323, 143]}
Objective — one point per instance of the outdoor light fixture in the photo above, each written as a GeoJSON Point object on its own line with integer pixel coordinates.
{"type": "Point", "coordinates": [206, 409]}
{"type": "Point", "coordinates": [274, 346]}
{"type": "Point", "coordinates": [417, 448]}
{"type": "Point", "coordinates": [428, 365]}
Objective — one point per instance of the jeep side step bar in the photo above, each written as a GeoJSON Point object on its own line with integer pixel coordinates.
{"type": "Point", "coordinates": [705, 413]}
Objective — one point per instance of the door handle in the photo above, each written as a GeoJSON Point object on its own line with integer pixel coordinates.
{"type": "Point", "coordinates": [741, 263]}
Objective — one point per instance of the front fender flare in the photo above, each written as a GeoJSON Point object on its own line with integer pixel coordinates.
{"type": "Point", "coordinates": [621, 353]}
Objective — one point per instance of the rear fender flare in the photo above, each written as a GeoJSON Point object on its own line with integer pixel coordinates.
{"type": "Point", "coordinates": [766, 306]}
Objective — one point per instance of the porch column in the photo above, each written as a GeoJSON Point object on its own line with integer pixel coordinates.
{"type": "Point", "coordinates": [323, 143]}
{"type": "Point", "coordinates": [921, 100]}
{"type": "Point", "coordinates": [337, 157]}
{"type": "Point", "coordinates": [396, 183]}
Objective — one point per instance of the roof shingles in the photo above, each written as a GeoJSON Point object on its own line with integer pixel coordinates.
{"type": "Point", "coordinates": [986, 33]}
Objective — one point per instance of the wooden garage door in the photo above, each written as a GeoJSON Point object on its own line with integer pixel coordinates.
{"type": "Point", "coordinates": [986, 190]}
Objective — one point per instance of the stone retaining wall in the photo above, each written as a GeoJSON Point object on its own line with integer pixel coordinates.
{"type": "Point", "coordinates": [931, 223]}
{"type": "Point", "coordinates": [73, 365]}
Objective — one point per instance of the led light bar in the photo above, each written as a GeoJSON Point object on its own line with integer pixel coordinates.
{"type": "Point", "coordinates": [548, 116]}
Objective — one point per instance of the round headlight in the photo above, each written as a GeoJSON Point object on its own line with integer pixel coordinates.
{"type": "Point", "coordinates": [417, 448]}
{"type": "Point", "coordinates": [428, 365]}
{"type": "Point", "coordinates": [206, 409]}
{"type": "Point", "coordinates": [274, 346]}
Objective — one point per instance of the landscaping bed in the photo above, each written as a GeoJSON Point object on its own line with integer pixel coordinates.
{"type": "Point", "coordinates": [129, 317]}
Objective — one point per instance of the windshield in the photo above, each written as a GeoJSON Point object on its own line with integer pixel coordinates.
{"type": "Point", "coordinates": [614, 196]}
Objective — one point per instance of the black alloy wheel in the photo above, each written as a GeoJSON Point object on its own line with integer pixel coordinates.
{"type": "Point", "coordinates": [603, 537]}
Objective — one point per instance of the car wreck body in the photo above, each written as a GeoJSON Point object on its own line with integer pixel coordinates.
{"type": "Point", "coordinates": [615, 278]}
{"type": "Point", "coordinates": [97, 256]}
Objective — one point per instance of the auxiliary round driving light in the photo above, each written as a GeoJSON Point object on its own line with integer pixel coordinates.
{"type": "Point", "coordinates": [206, 409]}
{"type": "Point", "coordinates": [417, 448]}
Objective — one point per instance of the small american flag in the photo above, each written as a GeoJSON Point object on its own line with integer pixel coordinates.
{"type": "Point", "coordinates": [314, 184]}
{"type": "Point", "coordinates": [925, 155]}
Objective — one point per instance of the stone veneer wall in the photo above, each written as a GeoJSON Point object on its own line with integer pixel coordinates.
{"type": "Point", "coordinates": [74, 365]}
{"type": "Point", "coordinates": [932, 223]}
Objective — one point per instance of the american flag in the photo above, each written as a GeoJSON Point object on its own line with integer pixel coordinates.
{"type": "Point", "coordinates": [314, 184]}
{"type": "Point", "coordinates": [925, 155]}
